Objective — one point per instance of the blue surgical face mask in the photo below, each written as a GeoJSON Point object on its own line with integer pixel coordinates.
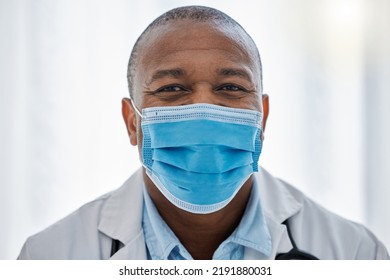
{"type": "Point", "coordinates": [200, 155]}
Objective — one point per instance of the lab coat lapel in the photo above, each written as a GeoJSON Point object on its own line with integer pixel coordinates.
{"type": "Point", "coordinates": [122, 218]}
{"type": "Point", "coordinates": [279, 204]}
{"type": "Point", "coordinates": [134, 250]}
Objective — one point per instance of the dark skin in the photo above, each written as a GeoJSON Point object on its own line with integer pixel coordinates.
{"type": "Point", "coordinates": [185, 63]}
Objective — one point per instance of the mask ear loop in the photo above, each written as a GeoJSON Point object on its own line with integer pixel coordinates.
{"type": "Point", "coordinates": [135, 107]}
{"type": "Point", "coordinates": [139, 113]}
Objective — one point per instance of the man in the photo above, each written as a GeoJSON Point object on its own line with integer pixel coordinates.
{"type": "Point", "coordinates": [197, 114]}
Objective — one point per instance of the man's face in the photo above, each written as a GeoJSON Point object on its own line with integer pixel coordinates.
{"type": "Point", "coordinates": [186, 62]}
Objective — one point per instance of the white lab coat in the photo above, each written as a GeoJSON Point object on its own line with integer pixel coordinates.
{"type": "Point", "coordinates": [88, 232]}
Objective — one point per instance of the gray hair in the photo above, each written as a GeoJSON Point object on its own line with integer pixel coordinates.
{"type": "Point", "coordinates": [195, 13]}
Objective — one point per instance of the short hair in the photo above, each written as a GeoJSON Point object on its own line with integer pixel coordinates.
{"type": "Point", "coordinates": [195, 13]}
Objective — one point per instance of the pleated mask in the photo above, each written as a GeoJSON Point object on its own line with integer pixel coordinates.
{"type": "Point", "coordinates": [200, 155]}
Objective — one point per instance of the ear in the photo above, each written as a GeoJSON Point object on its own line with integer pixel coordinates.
{"type": "Point", "coordinates": [265, 110]}
{"type": "Point", "coordinates": [129, 117]}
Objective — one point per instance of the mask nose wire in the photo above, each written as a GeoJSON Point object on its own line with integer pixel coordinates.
{"type": "Point", "coordinates": [135, 107]}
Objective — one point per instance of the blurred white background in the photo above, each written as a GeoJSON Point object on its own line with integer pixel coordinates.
{"type": "Point", "coordinates": [63, 73]}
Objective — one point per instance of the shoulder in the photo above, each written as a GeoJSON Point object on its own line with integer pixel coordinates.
{"type": "Point", "coordinates": [315, 229]}
{"type": "Point", "coordinates": [67, 238]}
{"type": "Point", "coordinates": [87, 232]}
{"type": "Point", "coordinates": [332, 236]}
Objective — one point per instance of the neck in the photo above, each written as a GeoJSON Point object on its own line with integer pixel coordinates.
{"type": "Point", "coordinates": [201, 234]}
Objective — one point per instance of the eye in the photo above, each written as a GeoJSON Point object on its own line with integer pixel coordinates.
{"type": "Point", "coordinates": [171, 88]}
{"type": "Point", "coordinates": [231, 87]}
{"type": "Point", "coordinates": [170, 93]}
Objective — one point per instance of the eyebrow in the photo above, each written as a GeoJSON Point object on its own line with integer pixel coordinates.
{"type": "Point", "coordinates": [179, 72]}
{"type": "Point", "coordinates": [235, 72]}
{"type": "Point", "coordinates": [160, 74]}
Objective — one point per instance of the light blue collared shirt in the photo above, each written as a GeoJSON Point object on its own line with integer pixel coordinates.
{"type": "Point", "coordinates": [252, 232]}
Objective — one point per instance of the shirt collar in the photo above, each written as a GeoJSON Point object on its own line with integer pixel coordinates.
{"type": "Point", "coordinates": [252, 232]}
{"type": "Point", "coordinates": [160, 239]}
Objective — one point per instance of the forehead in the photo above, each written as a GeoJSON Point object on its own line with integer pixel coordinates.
{"type": "Point", "coordinates": [180, 36]}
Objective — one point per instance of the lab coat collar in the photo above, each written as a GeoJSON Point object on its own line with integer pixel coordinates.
{"type": "Point", "coordinates": [279, 204]}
